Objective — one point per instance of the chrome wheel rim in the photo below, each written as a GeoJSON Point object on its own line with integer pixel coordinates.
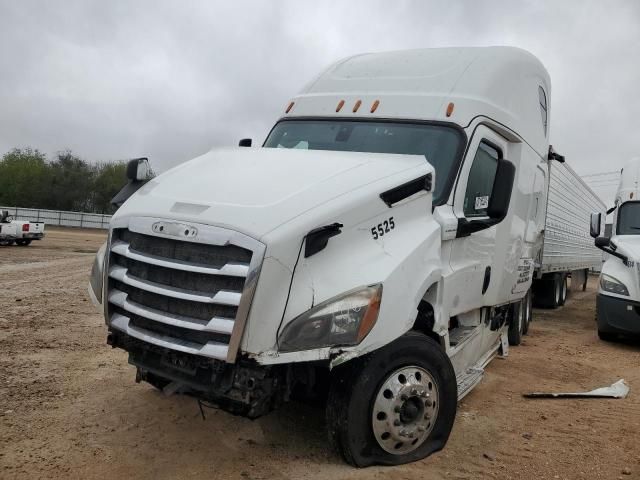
{"type": "Point", "coordinates": [405, 410]}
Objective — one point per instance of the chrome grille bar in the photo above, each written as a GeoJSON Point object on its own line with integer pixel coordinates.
{"type": "Point", "coordinates": [216, 324]}
{"type": "Point", "coordinates": [210, 349]}
{"type": "Point", "coordinates": [223, 297]}
{"type": "Point", "coordinates": [230, 269]}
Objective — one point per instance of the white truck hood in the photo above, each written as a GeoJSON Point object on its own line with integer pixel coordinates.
{"type": "Point", "coordinates": [256, 190]}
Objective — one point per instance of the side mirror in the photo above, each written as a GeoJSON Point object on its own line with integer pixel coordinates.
{"type": "Point", "coordinates": [501, 192]}
{"type": "Point", "coordinates": [245, 142]}
{"type": "Point", "coordinates": [138, 169]}
{"type": "Point", "coordinates": [602, 242]}
{"type": "Point", "coordinates": [594, 227]}
{"type": "Point", "coordinates": [138, 173]}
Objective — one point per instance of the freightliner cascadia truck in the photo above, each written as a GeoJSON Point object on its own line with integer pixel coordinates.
{"type": "Point", "coordinates": [618, 299]}
{"type": "Point", "coordinates": [380, 246]}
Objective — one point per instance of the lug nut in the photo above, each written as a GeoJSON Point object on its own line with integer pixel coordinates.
{"type": "Point", "coordinates": [403, 433]}
{"type": "Point", "coordinates": [396, 423]}
{"type": "Point", "coordinates": [428, 403]}
{"type": "Point", "coordinates": [421, 428]}
{"type": "Point", "coordinates": [414, 392]}
{"type": "Point", "coordinates": [427, 416]}
{"type": "Point", "coordinates": [396, 409]}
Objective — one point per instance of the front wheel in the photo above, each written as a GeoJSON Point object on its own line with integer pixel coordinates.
{"type": "Point", "coordinates": [395, 405]}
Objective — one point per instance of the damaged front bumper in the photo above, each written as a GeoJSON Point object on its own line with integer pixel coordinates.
{"type": "Point", "coordinates": [244, 388]}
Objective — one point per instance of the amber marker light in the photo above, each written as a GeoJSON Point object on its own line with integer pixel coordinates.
{"type": "Point", "coordinates": [450, 109]}
{"type": "Point", "coordinates": [374, 106]}
{"type": "Point", "coordinates": [371, 316]}
{"type": "Point", "coordinates": [340, 105]}
{"type": "Point", "coordinates": [357, 106]}
{"type": "Point", "coordinates": [289, 107]}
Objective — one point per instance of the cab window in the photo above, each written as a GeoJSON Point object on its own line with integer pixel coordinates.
{"type": "Point", "coordinates": [480, 183]}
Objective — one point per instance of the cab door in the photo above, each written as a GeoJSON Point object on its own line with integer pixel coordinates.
{"type": "Point", "coordinates": [477, 260]}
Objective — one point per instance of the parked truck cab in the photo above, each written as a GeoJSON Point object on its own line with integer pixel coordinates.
{"type": "Point", "coordinates": [378, 246]}
{"type": "Point", "coordinates": [618, 299]}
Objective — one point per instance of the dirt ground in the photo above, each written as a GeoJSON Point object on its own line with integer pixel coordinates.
{"type": "Point", "coordinates": [69, 406]}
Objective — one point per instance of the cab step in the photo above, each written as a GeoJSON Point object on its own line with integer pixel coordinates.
{"type": "Point", "coordinates": [467, 380]}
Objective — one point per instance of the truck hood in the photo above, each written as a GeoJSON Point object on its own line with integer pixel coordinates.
{"type": "Point", "coordinates": [256, 190]}
{"type": "Point", "coordinates": [628, 245]}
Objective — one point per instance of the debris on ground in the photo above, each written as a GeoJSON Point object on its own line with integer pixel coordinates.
{"type": "Point", "coordinates": [619, 389]}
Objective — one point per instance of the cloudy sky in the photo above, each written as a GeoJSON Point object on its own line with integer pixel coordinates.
{"type": "Point", "coordinates": [170, 80]}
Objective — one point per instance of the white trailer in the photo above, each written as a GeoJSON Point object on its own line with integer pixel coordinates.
{"type": "Point", "coordinates": [379, 247]}
{"type": "Point", "coordinates": [568, 250]}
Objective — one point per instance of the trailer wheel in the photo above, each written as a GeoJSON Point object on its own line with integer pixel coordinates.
{"type": "Point", "coordinates": [516, 323]}
{"type": "Point", "coordinates": [395, 405]}
{"type": "Point", "coordinates": [528, 312]}
{"type": "Point", "coordinates": [562, 280]}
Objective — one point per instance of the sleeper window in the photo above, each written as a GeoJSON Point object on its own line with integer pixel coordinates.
{"type": "Point", "coordinates": [480, 183]}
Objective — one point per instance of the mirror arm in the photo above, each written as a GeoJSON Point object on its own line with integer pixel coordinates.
{"type": "Point", "coordinates": [612, 252]}
{"type": "Point", "coordinates": [467, 227]}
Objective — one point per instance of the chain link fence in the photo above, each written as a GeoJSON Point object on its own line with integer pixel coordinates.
{"type": "Point", "coordinates": [58, 217]}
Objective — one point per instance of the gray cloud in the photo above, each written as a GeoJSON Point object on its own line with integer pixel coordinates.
{"type": "Point", "coordinates": [118, 79]}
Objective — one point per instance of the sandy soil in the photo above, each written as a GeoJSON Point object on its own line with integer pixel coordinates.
{"type": "Point", "coordinates": [69, 407]}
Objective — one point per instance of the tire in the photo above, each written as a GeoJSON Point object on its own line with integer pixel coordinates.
{"type": "Point", "coordinates": [547, 291]}
{"type": "Point", "coordinates": [25, 242]}
{"type": "Point", "coordinates": [528, 312]}
{"type": "Point", "coordinates": [516, 323]}
{"type": "Point", "coordinates": [563, 288]}
{"type": "Point", "coordinates": [607, 337]}
{"type": "Point", "coordinates": [423, 408]}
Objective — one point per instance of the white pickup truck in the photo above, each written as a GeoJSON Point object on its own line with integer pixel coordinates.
{"type": "Point", "coordinates": [378, 248]}
{"type": "Point", "coordinates": [20, 232]}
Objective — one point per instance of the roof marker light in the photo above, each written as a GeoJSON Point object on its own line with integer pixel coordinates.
{"type": "Point", "coordinates": [374, 106]}
{"type": "Point", "coordinates": [340, 105]}
{"type": "Point", "coordinates": [289, 107]}
{"type": "Point", "coordinates": [357, 106]}
{"type": "Point", "coordinates": [450, 109]}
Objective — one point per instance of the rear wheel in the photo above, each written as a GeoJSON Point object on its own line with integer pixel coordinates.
{"type": "Point", "coordinates": [24, 242]}
{"type": "Point", "coordinates": [395, 405]}
{"type": "Point", "coordinates": [516, 323]}
{"type": "Point", "coordinates": [562, 288]}
{"type": "Point", "coordinates": [528, 312]}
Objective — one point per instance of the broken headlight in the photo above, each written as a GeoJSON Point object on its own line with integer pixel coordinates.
{"type": "Point", "coordinates": [342, 320]}
{"type": "Point", "coordinates": [613, 285]}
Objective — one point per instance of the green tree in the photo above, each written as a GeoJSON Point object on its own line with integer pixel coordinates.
{"type": "Point", "coordinates": [23, 178]}
{"type": "Point", "coordinates": [109, 180]}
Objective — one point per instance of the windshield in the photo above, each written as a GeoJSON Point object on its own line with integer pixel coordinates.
{"type": "Point", "coordinates": [442, 145]}
{"type": "Point", "coordinates": [629, 219]}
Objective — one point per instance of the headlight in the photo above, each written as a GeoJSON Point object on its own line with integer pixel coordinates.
{"type": "Point", "coordinates": [97, 273]}
{"type": "Point", "coordinates": [343, 320]}
{"type": "Point", "coordinates": [613, 285]}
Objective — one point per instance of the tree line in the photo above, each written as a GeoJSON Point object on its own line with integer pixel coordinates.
{"type": "Point", "coordinates": [66, 182]}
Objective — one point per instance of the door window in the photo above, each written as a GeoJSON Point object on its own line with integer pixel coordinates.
{"type": "Point", "coordinates": [480, 183]}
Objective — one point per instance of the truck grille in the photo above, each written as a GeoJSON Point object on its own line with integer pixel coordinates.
{"type": "Point", "coordinates": [180, 294]}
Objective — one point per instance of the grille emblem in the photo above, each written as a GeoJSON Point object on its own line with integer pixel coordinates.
{"type": "Point", "coordinates": [175, 229]}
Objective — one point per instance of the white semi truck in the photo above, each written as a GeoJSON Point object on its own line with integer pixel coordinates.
{"type": "Point", "coordinates": [618, 299]}
{"type": "Point", "coordinates": [380, 246]}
